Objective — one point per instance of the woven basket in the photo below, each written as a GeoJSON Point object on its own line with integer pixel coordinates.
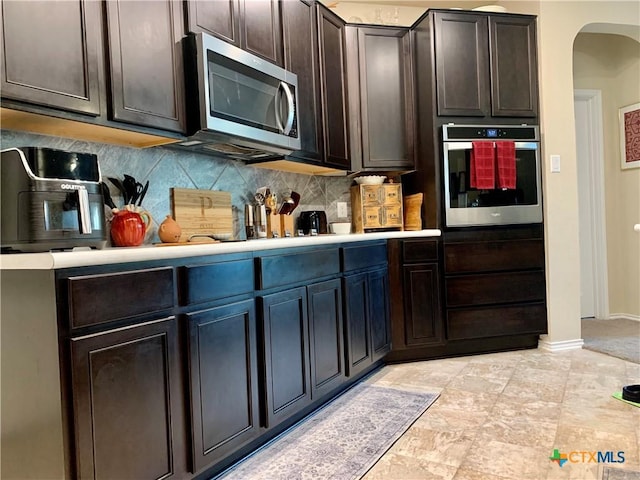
{"type": "Point", "coordinates": [413, 212]}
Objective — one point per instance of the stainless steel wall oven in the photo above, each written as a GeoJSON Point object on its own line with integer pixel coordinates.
{"type": "Point", "coordinates": [477, 191]}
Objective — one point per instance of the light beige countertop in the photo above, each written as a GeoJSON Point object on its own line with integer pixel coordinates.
{"type": "Point", "coordinates": [81, 258]}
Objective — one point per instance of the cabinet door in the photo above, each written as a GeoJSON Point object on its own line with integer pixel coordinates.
{"type": "Point", "coordinates": [301, 58]}
{"type": "Point", "coordinates": [59, 69]}
{"type": "Point", "coordinates": [378, 286]}
{"type": "Point", "coordinates": [145, 58]}
{"type": "Point", "coordinates": [386, 98]}
{"type": "Point", "coordinates": [462, 64]}
{"type": "Point", "coordinates": [333, 89]}
{"type": "Point", "coordinates": [127, 402]}
{"type": "Point", "coordinates": [514, 67]}
{"type": "Point", "coordinates": [253, 25]}
{"type": "Point", "coordinates": [220, 18]}
{"type": "Point", "coordinates": [423, 320]}
{"type": "Point", "coordinates": [286, 354]}
{"type": "Point", "coordinates": [356, 300]}
{"type": "Point", "coordinates": [261, 30]}
{"type": "Point", "coordinates": [223, 380]}
{"type": "Point", "coordinates": [326, 337]}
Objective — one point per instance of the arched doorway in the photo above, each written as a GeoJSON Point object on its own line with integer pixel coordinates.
{"type": "Point", "coordinates": [606, 78]}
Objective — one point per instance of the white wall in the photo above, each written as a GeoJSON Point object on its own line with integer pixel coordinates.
{"type": "Point", "coordinates": [611, 64]}
{"type": "Point", "coordinates": [558, 24]}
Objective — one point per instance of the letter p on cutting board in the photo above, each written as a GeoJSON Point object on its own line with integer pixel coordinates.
{"type": "Point", "coordinates": [202, 212]}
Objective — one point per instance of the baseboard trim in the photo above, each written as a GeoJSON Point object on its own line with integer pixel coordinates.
{"type": "Point", "coordinates": [560, 346]}
{"type": "Point", "coordinates": [628, 316]}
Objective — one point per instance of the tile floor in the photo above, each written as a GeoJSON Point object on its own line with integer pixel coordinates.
{"type": "Point", "coordinates": [501, 415]}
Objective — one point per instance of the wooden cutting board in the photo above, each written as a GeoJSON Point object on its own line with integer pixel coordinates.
{"type": "Point", "coordinates": [201, 211]}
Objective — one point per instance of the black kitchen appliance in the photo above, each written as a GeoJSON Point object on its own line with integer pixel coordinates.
{"type": "Point", "coordinates": [313, 222]}
{"type": "Point", "coordinates": [51, 200]}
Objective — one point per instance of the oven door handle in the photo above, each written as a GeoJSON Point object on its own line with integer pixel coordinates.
{"type": "Point", "coordinates": [450, 146]}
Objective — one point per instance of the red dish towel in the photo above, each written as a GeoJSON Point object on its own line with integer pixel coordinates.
{"type": "Point", "coordinates": [506, 162]}
{"type": "Point", "coordinates": [483, 168]}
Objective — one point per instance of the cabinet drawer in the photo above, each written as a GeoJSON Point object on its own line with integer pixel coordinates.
{"type": "Point", "coordinates": [495, 288]}
{"type": "Point", "coordinates": [202, 283]}
{"type": "Point", "coordinates": [493, 256]}
{"type": "Point", "coordinates": [372, 217]}
{"type": "Point", "coordinates": [355, 258]}
{"type": "Point", "coordinates": [418, 251]}
{"type": "Point", "coordinates": [101, 298]}
{"type": "Point", "coordinates": [371, 194]}
{"type": "Point", "coordinates": [392, 216]}
{"type": "Point", "coordinates": [281, 270]}
{"type": "Point", "coordinates": [491, 322]}
{"type": "Point", "coordinates": [391, 194]}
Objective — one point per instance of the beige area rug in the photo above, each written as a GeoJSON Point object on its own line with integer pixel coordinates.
{"type": "Point", "coordinates": [341, 441]}
{"type": "Point", "coordinates": [618, 337]}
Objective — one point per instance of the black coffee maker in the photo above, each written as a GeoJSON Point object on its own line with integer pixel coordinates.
{"type": "Point", "coordinates": [313, 222]}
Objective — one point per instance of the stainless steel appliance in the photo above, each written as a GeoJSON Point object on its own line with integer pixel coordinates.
{"type": "Point", "coordinates": [469, 206]}
{"type": "Point", "coordinates": [51, 199]}
{"type": "Point", "coordinates": [240, 106]}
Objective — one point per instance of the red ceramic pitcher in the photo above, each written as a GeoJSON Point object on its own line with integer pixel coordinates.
{"type": "Point", "coordinates": [128, 228]}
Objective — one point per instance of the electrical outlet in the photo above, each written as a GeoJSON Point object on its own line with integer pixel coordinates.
{"type": "Point", "coordinates": [342, 209]}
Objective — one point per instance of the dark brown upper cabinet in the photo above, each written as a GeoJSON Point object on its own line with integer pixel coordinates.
{"type": "Point", "coordinates": [331, 29]}
{"type": "Point", "coordinates": [486, 65]}
{"type": "Point", "coordinates": [145, 60]}
{"type": "Point", "coordinates": [300, 37]}
{"type": "Point", "coordinates": [514, 66]}
{"type": "Point", "coordinates": [115, 63]}
{"type": "Point", "coordinates": [61, 72]}
{"type": "Point", "coordinates": [381, 98]}
{"type": "Point", "coordinates": [253, 25]}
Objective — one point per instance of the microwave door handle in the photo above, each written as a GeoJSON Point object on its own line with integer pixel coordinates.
{"type": "Point", "coordinates": [286, 128]}
{"type": "Point", "coordinates": [84, 219]}
{"type": "Point", "coordinates": [278, 104]}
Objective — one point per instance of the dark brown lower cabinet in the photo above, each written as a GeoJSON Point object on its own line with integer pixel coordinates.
{"type": "Point", "coordinates": [286, 354]}
{"type": "Point", "coordinates": [221, 355]}
{"type": "Point", "coordinates": [223, 368]}
{"type": "Point", "coordinates": [326, 337]}
{"type": "Point", "coordinates": [416, 316]}
{"type": "Point", "coordinates": [495, 283]}
{"type": "Point", "coordinates": [422, 315]}
{"type": "Point", "coordinates": [379, 313]}
{"type": "Point", "coordinates": [128, 408]}
{"type": "Point", "coordinates": [357, 325]}
{"type": "Point", "coordinates": [479, 290]}
{"type": "Point", "coordinates": [366, 301]}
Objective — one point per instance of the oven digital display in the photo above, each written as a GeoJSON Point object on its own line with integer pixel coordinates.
{"type": "Point", "coordinates": [492, 133]}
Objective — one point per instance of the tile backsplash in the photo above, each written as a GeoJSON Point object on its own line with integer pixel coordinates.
{"type": "Point", "coordinates": [166, 168]}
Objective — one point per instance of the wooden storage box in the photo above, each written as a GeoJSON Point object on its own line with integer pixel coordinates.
{"type": "Point", "coordinates": [377, 207]}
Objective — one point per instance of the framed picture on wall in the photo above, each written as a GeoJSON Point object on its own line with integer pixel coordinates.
{"type": "Point", "coordinates": [630, 136]}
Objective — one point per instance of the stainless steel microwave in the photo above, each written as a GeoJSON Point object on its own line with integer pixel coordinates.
{"type": "Point", "coordinates": [238, 105]}
{"type": "Point", "coordinates": [468, 205]}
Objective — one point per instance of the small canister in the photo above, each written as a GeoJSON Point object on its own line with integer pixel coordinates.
{"type": "Point", "coordinates": [260, 221]}
{"type": "Point", "coordinates": [248, 221]}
